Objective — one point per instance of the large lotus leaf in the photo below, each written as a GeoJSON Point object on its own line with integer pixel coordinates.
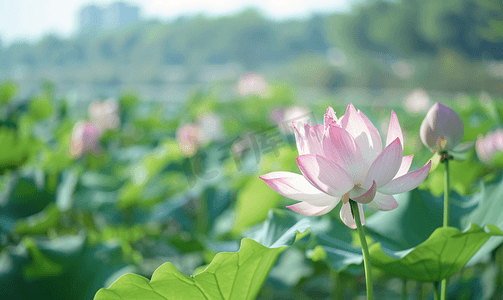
{"type": "Point", "coordinates": [66, 188]}
{"type": "Point", "coordinates": [8, 89]}
{"type": "Point", "coordinates": [253, 202]}
{"type": "Point", "coordinates": [217, 198]}
{"type": "Point", "coordinates": [336, 245]}
{"type": "Point", "coordinates": [334, 239]}
{"type": "Point", "coordinates": [396, 230]}
{"type": "Point", "coordinates": [100, 181]}
{"type": "Point", "coordinates": [55, 269]}
{"type": "Point", "coordinates": [418, 214]}
{"type": "Point", "coordinates": [443, 254]}
{"type": "Point", "coordinates": [15, 149]}
{"type": "Point", "coordinates": [22, 196]}
{"type": "Point", "coordinates": [280, 229]}
{"type": "Point", "coordinates": [238, 275]}
{"type": "Point", "coordinates": [40, 222]}
{"type": "Point", "coordinates": [488, 211]}
{"type": "Point", "coordinates": [464, 176]}
{"type": "Point", "coordinates": [256, 198]}
{"type": "Point", "coordinates": [142, 173]}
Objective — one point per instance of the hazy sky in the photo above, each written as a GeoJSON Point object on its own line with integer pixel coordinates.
{"type": "Point", "coordinates": [31, 19]}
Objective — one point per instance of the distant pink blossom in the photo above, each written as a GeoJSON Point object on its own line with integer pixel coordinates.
{"type": "Point", "coordinates": [85, 139]}
{"type": "Point", "coordinates": [252, 84]}
{"type": "Point", "coordinates": [189, 138]}
{"type": "Point", "coordinates": [210, 126]}
{"type": "Point", "coordinates": [487, 147]}
{"type": "Point", "coordinates": [417, 101]}
{"type": "Point", "coordinates": [290, 115]}
{"type": "Point", "coordinates": [105, 115]}
{"type": "Point", "coordinates": [344, 159]}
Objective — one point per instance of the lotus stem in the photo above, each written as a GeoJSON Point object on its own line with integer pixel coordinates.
{"type": "Point", "coordinates": [365, 249]}
{"type": "Point", "coordinates": [436, 291]}
{"type": "Point", "coordinates": [443, 295]}
{"type": "Point", "coordinates": [404, 288]}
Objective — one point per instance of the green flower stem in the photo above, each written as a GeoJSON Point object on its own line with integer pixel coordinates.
{"type": "Point", "coordinates": [436, 291]}
{"type": "Point", "coordinates": [443, 295]}
{"type": "Point", "coordinates": [446, 193]}
{"type": "Point", "coordinates": [338, 292]}
{"type": "Point", "coordinates": [404, 288]}
{"type": "Point", "coordinates": [365, 249]}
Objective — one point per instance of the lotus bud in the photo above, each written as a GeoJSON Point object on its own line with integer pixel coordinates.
{"type": "Point", "coordinates": [85, 138]}
{"type": "Point", "coordinates": [442, 129]}
{"type": "Point", "coordinates": [189, 139]}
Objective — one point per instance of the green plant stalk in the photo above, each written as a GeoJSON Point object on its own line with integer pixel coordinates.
{"type": "Point", "coordinates": [338, 293]}
{"type": "Point", "coordinates": [404, 288]}
{"type": "Point", "coordinates": [365, 249]}
{"type": "Point", "coordinates": [443, 295]}
{"type": "Point", "coordinates": [446, 193]}
{"type": "Point", "coordinates": [436, 291]}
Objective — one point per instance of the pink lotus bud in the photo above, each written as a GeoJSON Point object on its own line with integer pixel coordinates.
{"type": "Point", "coordinates": [85, 138]}
{"type": "Point", "coordinates": [442, 128]}
{"type": "Point", "coordinates": [189, 138]}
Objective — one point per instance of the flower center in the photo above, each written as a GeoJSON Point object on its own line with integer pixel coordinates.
{"type": "Point", "coordinates": [345, 198]}
{"type": "Point", "coordinates": [442, 142]}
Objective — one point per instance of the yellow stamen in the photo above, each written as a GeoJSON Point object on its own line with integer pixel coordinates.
{"type": "Point", "coordinates": [442, 142]}
{"type": "Point", "coordinates": [345, 198]}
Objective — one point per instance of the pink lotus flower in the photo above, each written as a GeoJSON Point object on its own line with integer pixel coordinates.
{"type": "Point", "coordinates": [343, 159]}
{"type": "Point", "coordinates": [85, 138]}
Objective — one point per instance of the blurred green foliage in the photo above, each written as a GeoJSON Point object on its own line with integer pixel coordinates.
{"type": "Point", "coordinates": [71, 225]}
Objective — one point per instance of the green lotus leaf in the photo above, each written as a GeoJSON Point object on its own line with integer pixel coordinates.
{"type": "Point", "coordinates": [40, 222]}
{"type": "Point", "coordinates": [443, 254]}
{"type": "Point", "coordinates": [16, 150]}
{"type": "Point", "coordinates": [488, 211]}
{"type": "Point", "coordinates": [256, 198]}
{"type": "Point", "coordinates": [238, 275]}
{"type": "Point", "coordinates": [404, 228]}
{"type": "Point", "coordinates": [282, 228]}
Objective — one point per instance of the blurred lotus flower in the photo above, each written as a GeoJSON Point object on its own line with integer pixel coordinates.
{"type": "Point", "coordinates": [442, 129]}
{"type": "Point", "coordinates": [296, 113]}
{"type": "Point", "coordinates": [276, 116]}
{"type": "Point", "coordinates": [417, 101]}
{"type": "Point", "coordinates": [210, 126]}
{"type": "Point", "coordinates": [189, 138]}
{"type": "Point", "coordinates": [343, 159]}
{"type": "Point", "coordinates": [252, 84]}
{"type": "Point", "coordinates": [490, 145]}
{"type": "Point", "coordinates": [403, 69]}
{"type": "Point", "coordinates": [292, 115]}
{"type": "Point", "coordinates": [105, 115]}
{"type": "Point", "coordinates": [85, 138]}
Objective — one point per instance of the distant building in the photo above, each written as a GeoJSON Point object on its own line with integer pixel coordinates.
{"type": "Point", "coordinates": [90, 18]}
{"type": "Point", "coordinates": [119, 14]}
{"type": "Point", "coordinates": [93, 18]}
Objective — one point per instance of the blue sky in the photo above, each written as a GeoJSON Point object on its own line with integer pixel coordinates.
{"type": "Point", "coordinates": [29, 20]}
